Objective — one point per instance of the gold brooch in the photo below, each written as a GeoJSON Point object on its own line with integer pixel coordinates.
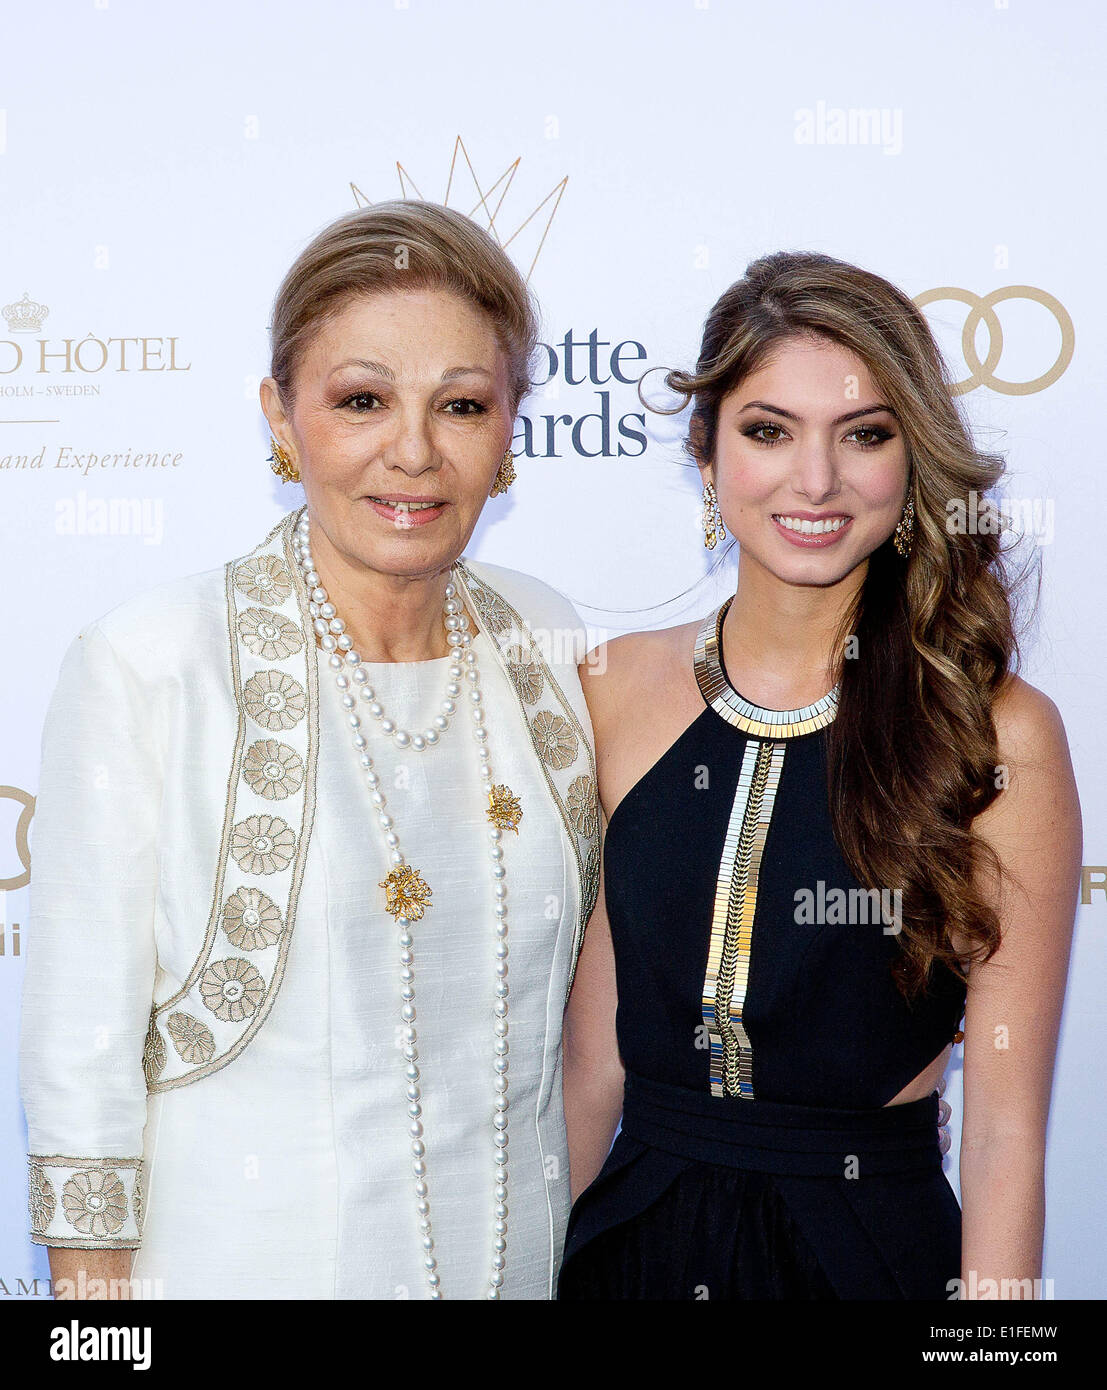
{"type": "Point", "coordinates": [503, 808]}
{"type": "Point", "coordinates": [406, 893]}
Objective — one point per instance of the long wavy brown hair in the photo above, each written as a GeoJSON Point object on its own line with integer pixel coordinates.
{"type": "Point", "coordinates": [912, 753]}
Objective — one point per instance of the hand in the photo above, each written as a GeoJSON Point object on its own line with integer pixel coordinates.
{"type": "Point", "coordinates": [944, 1113]}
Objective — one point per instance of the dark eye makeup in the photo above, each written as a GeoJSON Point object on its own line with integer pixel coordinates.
{"type": "Point", "coordinates": [878, 434]}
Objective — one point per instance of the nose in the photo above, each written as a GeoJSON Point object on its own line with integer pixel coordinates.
{"type": "Point", "coordinates": [410, 448]}
{"type": "Point", "coordinates": [816, 472]}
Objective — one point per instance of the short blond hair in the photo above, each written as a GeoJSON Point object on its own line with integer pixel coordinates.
{"type": "Point", "coordinates": [401, 245]}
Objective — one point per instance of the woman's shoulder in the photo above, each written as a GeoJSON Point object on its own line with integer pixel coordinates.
{"type": "Point", "coordinates": [166, 617]}
{"type": "Point", "coordinates": [1025, 717]}
{"type": "Point", "coordinates": [644, 656]}
{"type": "Point", "coordinates": [654, 666]}
{"type": "Point", "coordinates": [1034, 761]}
{"type": "Point", "coordinates": [522, 591]}
{"type": "Point", "coordinates": [175, 617]}
{"type": "Point", "coordinates": [550, 616]}
{"type": "Point", "coordinates": [632, 648]}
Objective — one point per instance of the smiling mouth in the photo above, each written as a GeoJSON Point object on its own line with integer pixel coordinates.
{"type": "Point", "coordinates": [405, 506]}
{"type": "Point", "coordinates": [804, 526]}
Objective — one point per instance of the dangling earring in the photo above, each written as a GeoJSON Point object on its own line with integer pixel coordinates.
{"type": "Point", "coordinates": [713, 529]}
{"type": "Point", "coordinates": [905, 529]}
{"type": "Point", "coordinates": [282, 465]}
{"type": "Point", "coordinates": [505, 475]}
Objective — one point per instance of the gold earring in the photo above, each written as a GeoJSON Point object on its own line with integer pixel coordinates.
{"type": "Point", "coordinates": [505, 475]}
{"type": "Point", "coordinates": [713, 529]}
{"type": "Point", "coordinates": [282, 465]}
{"type": "Point", "coordinates": [905, 529]}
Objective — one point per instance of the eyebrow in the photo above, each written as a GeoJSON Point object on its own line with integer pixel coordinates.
{"type": "Point", "coordinates": [841, 420]}
{"type": "Point", "coordinates": [381, 370]}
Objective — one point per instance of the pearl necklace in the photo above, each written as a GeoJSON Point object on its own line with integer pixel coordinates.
{"type": "Point", "coordinates": [333, 638]}
{"type": "Point", "coordinates": [407, 894]}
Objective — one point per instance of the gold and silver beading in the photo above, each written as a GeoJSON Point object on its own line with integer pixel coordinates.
{"type": "Point", "coordinates": [742, 714]}
{"type": "Point", "coordinates": [726, 980]}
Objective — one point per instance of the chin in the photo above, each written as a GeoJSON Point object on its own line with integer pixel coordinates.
{"type": "Point", "coordinates": [411, 558]}
{"type": "Point", "coordinates": [814, 570]}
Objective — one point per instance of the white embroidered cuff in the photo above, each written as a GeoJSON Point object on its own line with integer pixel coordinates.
{"type": "Point", "coordinates": [86, 1203]}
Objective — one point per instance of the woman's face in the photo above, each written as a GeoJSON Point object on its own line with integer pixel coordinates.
{"type": "Point", "coordinates": [810, 463]}
{"type": "Point", "coordinates": [400, 417]}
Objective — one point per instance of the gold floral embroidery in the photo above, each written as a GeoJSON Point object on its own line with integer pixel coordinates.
{"type": "Point", "coordinates": [95, 1202]}
{"type": "Point", "coordinates": [193, 1040]}
{"type": "Point", "coordinates": [138, 1201]}
{"type": "Point", "coordinates": [251, 920]}
{"type": "Point", "coordinates": [153, 1052]}
{"type": "Point", "coordinates": [262, 845]}
{"type": "Point", "coordinates": [494, 611]}
{"type": "Point", "coordinates": [273, 677]}
{"type": "Point", "coordinates": [526, 675]}
{"type": "Point", "coordinates": [265, 580]}
{"type": "Point", "coordinates": [273, 769]}
{"type": "Point", "coordinates": [591, 879]}
{"type": "Point", "coordinates": [41, 1199]}
{"type": "Point", "coordinates": [557, 742]}
{"type": "Point", "coordinates": [581, 802]}
{"type": "Point", "coordinates": [269, 635]}
{"type": "Point", "coordinates": [274, 700]}
{"type": "Point", "coordinates": [232, 989]}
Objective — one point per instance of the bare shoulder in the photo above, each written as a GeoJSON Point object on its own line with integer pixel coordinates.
{"type": "Point", "coordinates": [641, 694]}
{"type": "Point", "coordinates": [1039, 802]}
{"type": "Point", "coordinates": [633, 666]}
{"type": "Point", "coordinates": [1028, 724]}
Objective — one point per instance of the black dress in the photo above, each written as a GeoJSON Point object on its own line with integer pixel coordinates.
{"type": "Point", "coordinates": [758, 1157]}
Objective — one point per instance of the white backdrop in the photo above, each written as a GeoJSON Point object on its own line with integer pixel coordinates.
{"type": "Point", "coordinates": [161, 165]}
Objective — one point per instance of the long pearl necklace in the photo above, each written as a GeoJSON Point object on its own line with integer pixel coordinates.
{"type": "Point", "coordinates": [407, 894]}
{"type": "Point", "coordinates": [334, 639]}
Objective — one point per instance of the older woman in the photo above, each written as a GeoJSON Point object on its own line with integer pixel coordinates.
{"type": "Point", "coordinates": [292, 815]}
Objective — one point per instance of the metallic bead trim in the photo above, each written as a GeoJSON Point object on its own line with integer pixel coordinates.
{"type": "Point", "coordinates": [726, 702]}
{"type": "Point", "coordinates": [728, 956]}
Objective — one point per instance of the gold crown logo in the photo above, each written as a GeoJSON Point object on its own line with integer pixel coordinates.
{"type": "Point", "coordinates": [485, 197]}
{"type": "Point", "coordinates": [26, 316]}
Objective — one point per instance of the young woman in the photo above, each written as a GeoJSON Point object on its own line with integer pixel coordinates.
{"type": "Point", "coordinates": [837, 824]}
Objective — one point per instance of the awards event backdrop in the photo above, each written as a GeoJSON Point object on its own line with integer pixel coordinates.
{"type": "Point", "coordinates": [161, 166]}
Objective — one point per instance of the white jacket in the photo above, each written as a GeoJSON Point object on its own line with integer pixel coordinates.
{"type": "Point", "coordinates": [168, 862]}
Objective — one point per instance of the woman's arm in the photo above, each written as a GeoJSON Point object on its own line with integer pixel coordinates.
{"type": "Point", "coordinates": [1014, 1001]}
{"type": "Point", "coordinates": [593, 1076]}
{"type": "Point", "coordinates": [81, 1273]}
{"type": "Point", "coordinates": [593, 1080]}
{"type": "Point", "coordinates": [90, 963]}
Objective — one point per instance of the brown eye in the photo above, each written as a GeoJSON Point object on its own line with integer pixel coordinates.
{"type": "Point", "coordinates": [876, 436]}
{"type": "Point", "coordinates": [757, 432]}
{"type": "Point", "coordinates": [357, 402]}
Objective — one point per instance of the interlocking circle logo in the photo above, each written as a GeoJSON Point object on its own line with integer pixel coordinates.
{"type": "Point", "coordinates": [981, 308]}
{"type": "Point", "coordinates": [22, 844]}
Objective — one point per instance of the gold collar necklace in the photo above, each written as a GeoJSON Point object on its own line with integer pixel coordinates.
{"type": "Point", "coordinates": [741, 713]}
